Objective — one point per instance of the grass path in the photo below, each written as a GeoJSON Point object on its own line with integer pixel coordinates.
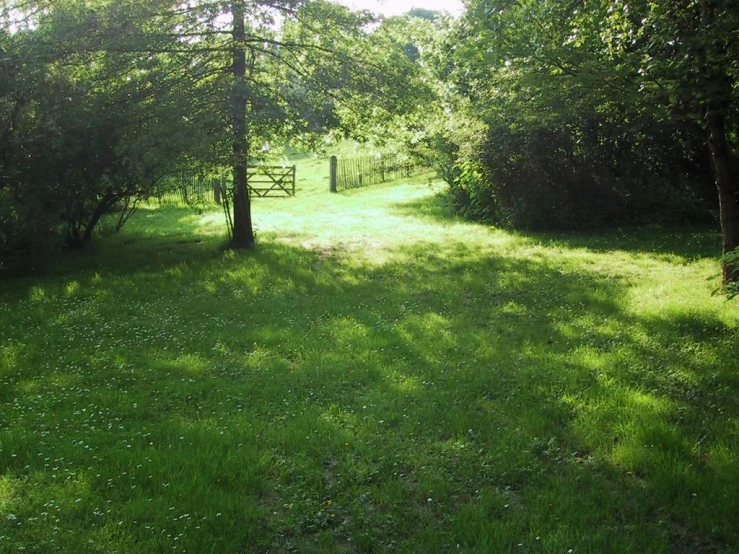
{"type": "Point", "coordinates": [377, 376]}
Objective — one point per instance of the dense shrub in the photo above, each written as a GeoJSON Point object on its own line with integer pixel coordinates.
{"type": "Point", "coordinates": [28, 235]}
{"type": "Point", "coordinates": [584, 173]}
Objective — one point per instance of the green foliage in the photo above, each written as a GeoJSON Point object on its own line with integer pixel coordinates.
{"type": "Point", "coordinates": [577, 132]}
{"type": "Point", "coordinates": [731, 260]}
{"type": "Point", "coordinates": [383, 94]}
{"type": "Point", "coordinates": [585, 173]}
{"type": "Point", "coordinates": [91, 128]}
{"type": "Point", "coordinates": [107, 98]}
{"type": "Point", "coordinates": [27, 236]}
{"type": "Point", "coordinates": [469, 199]}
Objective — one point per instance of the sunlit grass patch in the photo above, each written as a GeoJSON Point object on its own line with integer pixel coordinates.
{"type": "Point", "coordinates": [376, 376]}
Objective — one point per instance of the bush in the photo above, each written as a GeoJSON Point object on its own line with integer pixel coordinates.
{"type": "Point", "coordinates": [583, 174]}
{"type": "Point", "coordinates": [28, 236]}
{"type": "Point", "coordinates": [731, 260]}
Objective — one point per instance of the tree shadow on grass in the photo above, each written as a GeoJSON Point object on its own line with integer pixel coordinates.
{"type": "Point", "coordinates": [677, 243]}
{"type": "Point", "coordinates": [572, 384]}
{"type": "Point", "coordinates": [155, 240]}
{"type": "Point", "coordinates": [453, 396]}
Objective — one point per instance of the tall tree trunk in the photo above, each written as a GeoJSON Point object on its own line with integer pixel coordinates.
{"type": "Point", "coordinates": [713, 55]}
{"type": "Point", "coordinates": [243, 234]}
{"type": "Point", "coordinates": [726, 184]}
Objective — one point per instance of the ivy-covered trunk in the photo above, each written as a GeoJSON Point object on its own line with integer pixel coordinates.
{"type": "Point", "coordinates": [243, 234]}
{"type": "Point", "coordinates": [726, 185]}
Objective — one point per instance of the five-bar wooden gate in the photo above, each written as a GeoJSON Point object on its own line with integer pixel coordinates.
{"type": "Point", "coordinates": [271, 180]}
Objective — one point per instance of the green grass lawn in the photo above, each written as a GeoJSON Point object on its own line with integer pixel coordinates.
{"type": "Point", "coordinates": [377, 376]}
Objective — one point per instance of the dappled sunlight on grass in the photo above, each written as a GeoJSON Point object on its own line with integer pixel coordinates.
{"type": "Point", "coordinates": [37, 294]}
{"type": "Point", "coordinates": [10, 354]}
{"type": "Point", "coordinates": [375, 376]}
{"type": "Point", "coordinates": [9, 490]}
{"type": "Point", "coordinates": [187, 363]}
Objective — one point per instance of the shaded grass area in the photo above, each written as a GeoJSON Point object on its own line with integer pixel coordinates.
{"type": "Point", "coordinates": [376, 377]}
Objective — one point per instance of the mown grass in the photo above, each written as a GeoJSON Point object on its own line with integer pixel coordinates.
{"type": "Point", "coordinates": [377, 376]}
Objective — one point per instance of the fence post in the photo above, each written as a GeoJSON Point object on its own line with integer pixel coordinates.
{"type": "Point", "coordinates": [216, 182]}
{"type": "Point", "coordinates": [183, 190]}
{"type": "Point", "coordinates": [293, 180]}
{"type": "Point", "coordinates": [333, 163]}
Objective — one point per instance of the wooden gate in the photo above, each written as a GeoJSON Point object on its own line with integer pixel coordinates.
{"type": "Point", "coordinates": [271, 180]}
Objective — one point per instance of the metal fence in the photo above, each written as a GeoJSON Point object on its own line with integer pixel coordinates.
{"type": "Point", "coordinates": [188, 190]}
{"type": "Point", "coordinates": [353, 173]}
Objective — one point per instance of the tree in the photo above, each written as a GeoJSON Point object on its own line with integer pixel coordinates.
{"type": "Point", "coordinates": [91, 129]}
{"type": "Point", "coordinates": [276, 43]}
{"type": "Point", "coordinates": [402, 104]}
{"type": "Point", "coordinates": [687, 62]}
{"type": "Point", "coordinates": [243, 233]}
{"type": "Point", "coordinates": [650, 73]}
{"type": "Point", "coordinates": [185, 78]}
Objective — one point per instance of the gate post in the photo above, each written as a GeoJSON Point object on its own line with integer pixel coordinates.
{"type": "Point", "coordinates": [332, 173]}
{"type": "Point", "coordinates": [216, 182]}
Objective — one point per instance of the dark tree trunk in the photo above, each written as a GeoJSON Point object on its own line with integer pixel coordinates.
{"type": "Point", "coordinates": [81, 239]}
{"type": "Point", "coordinates": [726, 185]}
{"type": "Point", "coordinates": [243, 234]}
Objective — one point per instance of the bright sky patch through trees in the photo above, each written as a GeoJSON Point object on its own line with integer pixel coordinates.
{"type": "Point", "coordinates": [398, 7]}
